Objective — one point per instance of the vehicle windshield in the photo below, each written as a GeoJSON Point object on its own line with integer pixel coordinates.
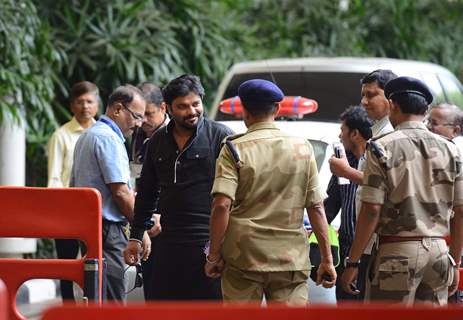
{"type": "Point", "coordinates": [332, 90]}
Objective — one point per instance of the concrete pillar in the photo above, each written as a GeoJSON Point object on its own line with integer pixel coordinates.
{"type": "Point", "coordinates": [13, 173]}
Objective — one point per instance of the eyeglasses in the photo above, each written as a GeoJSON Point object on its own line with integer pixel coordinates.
{"type": "Point", "coordinates": [138, 277]}
{"type": "Point", "coordinates": [433, 124]}
{"type": "Point", "coordinates": [134, 115]}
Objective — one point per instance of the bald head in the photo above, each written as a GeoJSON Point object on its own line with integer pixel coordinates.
{"type": "Point", "coordinates": [445, 119]}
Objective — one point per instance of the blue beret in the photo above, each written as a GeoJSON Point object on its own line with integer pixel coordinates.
{"type": "Point", "coordinates": [258, 91]}
{"type": "Point", "coordinates": [407, 85]}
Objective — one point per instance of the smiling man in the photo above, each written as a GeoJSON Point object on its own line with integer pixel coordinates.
{"type": "Point", "coordinates": [101, 162]}
{"type": "Point", "coordinates": [175, 182]}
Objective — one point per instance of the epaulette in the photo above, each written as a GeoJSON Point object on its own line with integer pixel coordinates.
{"type": "Point", "coordinates": [234, 152]}
{"type": "Point", "coordinates": [377, 152]}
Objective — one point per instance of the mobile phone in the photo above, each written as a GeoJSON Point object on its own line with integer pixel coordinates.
{"type": "Point", "coordinates": [339, 152]}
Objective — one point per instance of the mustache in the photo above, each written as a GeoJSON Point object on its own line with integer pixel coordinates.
{"type": "Point", "coordinates": [192, 116]}
{"type": "Point", "coordinates": [147, 125]}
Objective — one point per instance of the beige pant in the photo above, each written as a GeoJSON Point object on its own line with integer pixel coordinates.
{"type": "Point", "coordinates": [411, 272]}
{"type": "Point", "coordinates": [246, 286]}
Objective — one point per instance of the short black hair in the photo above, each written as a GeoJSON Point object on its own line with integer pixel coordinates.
{"type": "Point", "coordinates": [261, 109]}
{"type": "Point", "coordinates": [182, 86]}
{"type": "Point", "coordinates": [124, 95]}
{"type": "Point", "coordinates": [380, 76]}
{"type": "Point", "coordinates": [83, 87]}
{"type": "Point", "coordinates": [411, 103]}
{"type": "Point", "coordinates": [356, 118]}
{"type": "Point", "coordinates": [152, 93]}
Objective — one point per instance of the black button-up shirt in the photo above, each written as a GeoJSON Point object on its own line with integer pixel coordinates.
{"type": "Point", "coordinates": [177, 184]}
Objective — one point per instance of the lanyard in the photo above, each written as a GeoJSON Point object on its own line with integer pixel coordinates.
{"type": "Point", "coordinates": [113, 127]}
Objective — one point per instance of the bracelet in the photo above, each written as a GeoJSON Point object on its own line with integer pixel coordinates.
{"type": "Point", "coordinates": [211, 262]}
{"type": "Point", "coordinates": [139, 241]}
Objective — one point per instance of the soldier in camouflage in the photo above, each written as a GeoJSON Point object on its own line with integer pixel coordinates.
{"type": "Point", "coordinates": [413, 197]}
{"type": "Point", "coordinates": [257, 239]}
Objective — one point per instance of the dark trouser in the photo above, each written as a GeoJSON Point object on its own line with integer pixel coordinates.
{"type": "Point", "coordinates": [67, 249]}
{"type": "Point", "coordinates": [340, 293]}
{"type": "Point", "coordinates": [178, 274]}
{"type": "Point", "coordinates": [361, 278]}
{"type": "Point", "coordinates": [114, 242]}
{"type": "Point", "coordinates": [147, 269]}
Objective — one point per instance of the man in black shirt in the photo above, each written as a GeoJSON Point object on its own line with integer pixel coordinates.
{"type": "Point", "coordinates": [176, 181]}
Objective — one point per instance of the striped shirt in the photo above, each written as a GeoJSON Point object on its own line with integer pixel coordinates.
{"type": "Point", "coordinates": [342, 197]}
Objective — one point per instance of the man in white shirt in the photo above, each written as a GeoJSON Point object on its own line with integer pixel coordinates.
{"type": "Point", "coordinates": [377, 106]}
{"type": "Point", "coordinates": [84, 106]}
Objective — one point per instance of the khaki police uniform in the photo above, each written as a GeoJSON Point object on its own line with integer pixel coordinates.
{"type": "Point", "coordinates": [265, 246]}
{"type": "Point", "coordinates": [416, 176]}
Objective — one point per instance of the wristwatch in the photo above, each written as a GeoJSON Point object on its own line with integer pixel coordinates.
{"type": "Point", "coordinates": [351, 264]}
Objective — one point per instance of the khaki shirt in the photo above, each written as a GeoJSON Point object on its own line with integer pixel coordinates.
{"type": "Point", "coordinates": [416, 176]}
{"type": "Point", "coordinates": [277, 180]}
{"type": "Point", "coordinates": [60, 153]}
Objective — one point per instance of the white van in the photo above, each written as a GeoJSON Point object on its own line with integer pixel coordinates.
{"type": "Point", "coordinates": [335, 84]}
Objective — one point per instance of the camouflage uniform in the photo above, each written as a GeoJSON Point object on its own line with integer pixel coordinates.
{"type": "Point", "coordinates": [416, 176]}
{"type": "Point", "coordinates": [265, 246]}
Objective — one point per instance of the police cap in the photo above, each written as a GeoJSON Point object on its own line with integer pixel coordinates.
{"type": "Point", "coordinates": [257, 92]}
{"type": "Point", "coordinates": [407, 85]}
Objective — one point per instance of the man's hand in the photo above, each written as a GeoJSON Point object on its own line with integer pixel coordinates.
{"type": "Point", "coordinates": [156, 229]}
{"type": "Point", "coordinates": [348, 280]}
{"type": "Point", "coordinates": [339, 166]}
{"type": "Point", "coordinates": [326, 268]}
{"type": "Point", "coordinates": [456, 279]}
{"type": "Point", "coordinates": [132, 252]}
{"type": "Point", "coordinates": [145, 246]}
{"type": "Point", "coordinates": [214, 268]}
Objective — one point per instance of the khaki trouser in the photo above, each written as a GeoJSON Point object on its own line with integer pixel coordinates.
{"type": "Point", "coordinates": [246, 286]}
{"type": "Point", "coordinates": [411, 272]}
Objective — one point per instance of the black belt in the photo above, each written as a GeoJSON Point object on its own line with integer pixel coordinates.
{"type": "Point", "coordinates": [122, 223]}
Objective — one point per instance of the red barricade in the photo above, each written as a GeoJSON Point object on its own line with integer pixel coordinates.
{"type": "Point", "coordinates": [209, 311]}
{"type": "Point", "coordinates": [3, 301]}
{"type": "Point", "coordinates": [73, 213]}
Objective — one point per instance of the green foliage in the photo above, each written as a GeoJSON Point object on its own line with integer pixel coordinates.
{"type": "Point", "coordinates": [111, 43]}
{"type": "Point", "coordinates": [27, 76]}
{"type": "Point", "coordinates": [426, 30]}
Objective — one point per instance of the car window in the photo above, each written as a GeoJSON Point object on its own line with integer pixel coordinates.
{"type": "Point", "coordinates": [319, 149]}
{"type": "Point", "coordinates": [334, 91]}
{"type": "Point", "coordinates": [434, 84]}
{"type": "Point", "coordinates": [452, 91]}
